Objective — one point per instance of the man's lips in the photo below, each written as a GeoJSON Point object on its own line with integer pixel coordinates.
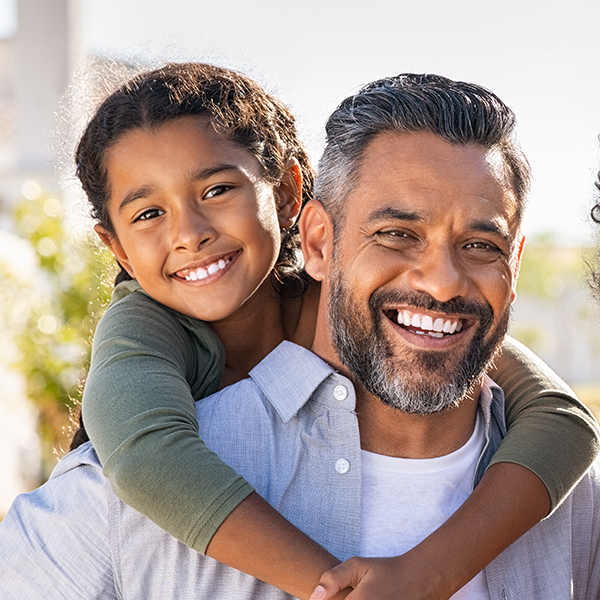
{"type": "Point", "coordinates": [205, 269]}
{"type": "Point", "coordinates": [421, 323]}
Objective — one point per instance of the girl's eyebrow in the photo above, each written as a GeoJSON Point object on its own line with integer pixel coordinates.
{"type": "Point", "coordinates": [135, 195]}
{"type": "Point", "coordinates": [210, 171]}
{"type": "Point", "coordinates": [198, 175]}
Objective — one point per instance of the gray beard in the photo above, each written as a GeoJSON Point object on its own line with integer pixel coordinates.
{"type": "Point", "coordinates": [416, 382]}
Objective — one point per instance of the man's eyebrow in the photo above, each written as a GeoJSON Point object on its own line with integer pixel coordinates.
{"type": "Point", "coordinates": [491, 227]}
{"type": "Point", "coordinates": [398, 214]}
{"type": "Point", "coordinates": [198, 175]}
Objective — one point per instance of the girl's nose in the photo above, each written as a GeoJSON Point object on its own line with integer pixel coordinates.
{"type": "Point", "coordinates": [436, 272]}
{"type": "Point", "coordinates": [192, 230]}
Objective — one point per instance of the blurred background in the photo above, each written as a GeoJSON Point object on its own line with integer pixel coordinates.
{"type": "Point", "coordinates": [58, 56]}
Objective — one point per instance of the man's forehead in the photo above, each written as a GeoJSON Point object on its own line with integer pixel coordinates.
{"type": "Point", "coordinates": [394, 162]}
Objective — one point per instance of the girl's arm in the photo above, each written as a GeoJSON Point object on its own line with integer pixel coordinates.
{"type": "Point", "coordinates": [139, 411]}
{"type": "Point", "coordinates": [552, 440]}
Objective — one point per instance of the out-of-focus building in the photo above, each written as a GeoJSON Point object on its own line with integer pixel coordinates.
{"type": "Point", "coordinates": [36, 63]}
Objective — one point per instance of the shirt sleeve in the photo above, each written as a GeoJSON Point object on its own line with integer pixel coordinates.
{"type": "Point", "coordinates": [138, 408]}
{"type": "Point", "coordinates": [549, 430]}
{"type": "Point", "coordinates": [54, 542]}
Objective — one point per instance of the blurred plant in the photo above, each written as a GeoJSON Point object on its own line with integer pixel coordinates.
{"type": "Point", "coordinates": [547, 269]}
{"type": "Point", "coordinates": [58, 307]}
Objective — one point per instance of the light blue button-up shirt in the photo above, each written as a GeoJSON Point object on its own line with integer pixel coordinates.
{"type": "Point", "coordinates": [292, 432]}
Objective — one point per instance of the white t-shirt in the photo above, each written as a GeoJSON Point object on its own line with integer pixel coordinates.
{"type": "Point", "coordinates": [404, 500]}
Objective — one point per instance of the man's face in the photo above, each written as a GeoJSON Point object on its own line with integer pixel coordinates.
{"type": "Point", "coordinates": [423, 270]}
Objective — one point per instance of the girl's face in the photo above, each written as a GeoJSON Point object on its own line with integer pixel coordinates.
{"type": "Point", "coordinates": [194, 220]}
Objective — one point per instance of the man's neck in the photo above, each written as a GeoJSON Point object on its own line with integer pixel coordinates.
{"type": "Point", "coordinates": [393, 432]}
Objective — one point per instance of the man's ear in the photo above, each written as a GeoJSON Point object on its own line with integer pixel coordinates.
{"type": "Point", "coordinates": [113, 243]}
{"type": "Point", "coordinates": [289, 194]}
{"type": "Point", "coordinates": [316, 232]}
{"type": "Point", "coordinates": [516, 268]}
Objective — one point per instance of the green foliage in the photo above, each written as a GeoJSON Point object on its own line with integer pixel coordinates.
{"type": "Point", "coordinates": [547, 269]}
{"type": "Point", "coordinates": [58, 310]}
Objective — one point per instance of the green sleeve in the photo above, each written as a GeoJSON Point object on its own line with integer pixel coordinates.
{"type": "Point", "coordinates": [138, 407]}
{"type": "Point", "coordinates": [549, 430]}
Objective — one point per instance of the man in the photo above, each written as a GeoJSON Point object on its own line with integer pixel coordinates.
{"type": "Point", "coordinates": [416, 295]}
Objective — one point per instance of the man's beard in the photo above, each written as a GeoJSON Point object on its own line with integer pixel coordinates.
{"type": "Point", "coordinates": [420, 382]}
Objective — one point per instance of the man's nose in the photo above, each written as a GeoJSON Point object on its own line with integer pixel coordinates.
{"type": "Point", "coordinates": [436, 272]}
{"type": "Point", "coordinates": [191, 229]}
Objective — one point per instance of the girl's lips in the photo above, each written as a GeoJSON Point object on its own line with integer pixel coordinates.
{"type": "Point", "coordinates": [203, 271]}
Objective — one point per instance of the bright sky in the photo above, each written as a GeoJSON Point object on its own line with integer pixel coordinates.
{"type": "Point", "coordinates": [539, 56]}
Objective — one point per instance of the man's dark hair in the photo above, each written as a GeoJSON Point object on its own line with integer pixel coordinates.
{"type": "Point", "coordinates": [460, 113]}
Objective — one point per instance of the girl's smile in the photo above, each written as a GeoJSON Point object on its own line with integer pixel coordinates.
{"type": "Point", "coordinates": [194, 220]}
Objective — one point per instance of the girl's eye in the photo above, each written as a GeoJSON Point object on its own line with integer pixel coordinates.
{"type": "Point", "coordinates": [217, 191]}
{"type": "Point", "coordinates": [151, 213]}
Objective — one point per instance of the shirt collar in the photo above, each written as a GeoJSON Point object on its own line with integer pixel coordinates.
{"type": "Point", "coordinates": [288, 389]}
{"type": "Point", "coordinates": [491, 401]}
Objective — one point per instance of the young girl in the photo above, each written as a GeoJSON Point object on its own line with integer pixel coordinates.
{"type": "Point", "coordinates": [196, 179]}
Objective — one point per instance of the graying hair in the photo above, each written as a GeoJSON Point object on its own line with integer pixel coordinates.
{"type": "Point", "coordinates": [461, 113]}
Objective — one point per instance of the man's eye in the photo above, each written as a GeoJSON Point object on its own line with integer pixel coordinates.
{"type": "Point", "coordinates": [151, 213]}
{"type": "Point", "coordinates": [217, 191]}
{"type": "Point", "coordinates": [393, 234]}
{"type": "Point", "coordinates": [482, 246]}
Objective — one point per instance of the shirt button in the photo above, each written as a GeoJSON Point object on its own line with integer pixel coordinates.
{"type": "Point", "coordinates": [342, 466]}
{"type": "Point", "coordinates": [340, 393]}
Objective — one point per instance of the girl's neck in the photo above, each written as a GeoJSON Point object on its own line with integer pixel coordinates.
{"type": "Point", "coordinates": [261, 325]}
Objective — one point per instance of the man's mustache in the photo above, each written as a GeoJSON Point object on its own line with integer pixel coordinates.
{"type": "Point", "coordinates": [464, 307]}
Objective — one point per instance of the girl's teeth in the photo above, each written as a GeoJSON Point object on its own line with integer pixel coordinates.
{"type": "Point", "coordinates": [204, 273]}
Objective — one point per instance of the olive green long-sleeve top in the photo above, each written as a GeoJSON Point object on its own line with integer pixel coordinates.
{"type": "Point", "coordinates": [150, 364]}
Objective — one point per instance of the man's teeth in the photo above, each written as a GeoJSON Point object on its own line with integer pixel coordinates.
{"type": "Point", "coordinates": [425, 325]}
{"type": "Point", "coordinates": [204, 273]}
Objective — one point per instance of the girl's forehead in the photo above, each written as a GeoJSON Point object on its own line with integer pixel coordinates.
{"type": "Point", "coordinates": [192, 138]}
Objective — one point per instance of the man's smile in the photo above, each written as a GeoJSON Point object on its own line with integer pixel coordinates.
{"type": "Point", "coordinates": [425, 324]}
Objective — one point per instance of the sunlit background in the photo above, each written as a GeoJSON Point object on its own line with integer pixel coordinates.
{"type": "Point", "coordinates": [540, 57]}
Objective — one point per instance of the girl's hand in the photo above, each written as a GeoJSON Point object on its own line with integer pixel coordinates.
{"type": "Point", "coordinates": [404, 577]}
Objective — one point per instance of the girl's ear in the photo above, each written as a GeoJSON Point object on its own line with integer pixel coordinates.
{"type": "Point", "coordinates": [289, 194]}
{"type": "Point", "coordinates": [316, 233]}
{"type": "Point", "coordinates": [113, 243]}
